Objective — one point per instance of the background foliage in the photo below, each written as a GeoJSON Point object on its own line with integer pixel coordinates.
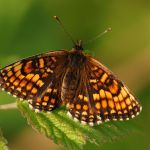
{"type": "Point", "coordinates": [3, 143]}
{"type": "Point", "coordinates": [27, 28]}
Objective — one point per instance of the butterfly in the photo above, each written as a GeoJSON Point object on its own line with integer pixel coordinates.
{"type": "Point", "coordinates": [91, 93]}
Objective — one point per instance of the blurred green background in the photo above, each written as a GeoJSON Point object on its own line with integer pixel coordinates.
{"type": "Point", "coordinates": [27, 28]}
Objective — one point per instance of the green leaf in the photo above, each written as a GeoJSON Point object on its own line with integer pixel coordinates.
{"type": "Point", "coordinates": [3, 143]}
{"type": "Point", "coordinates": [73, 135]}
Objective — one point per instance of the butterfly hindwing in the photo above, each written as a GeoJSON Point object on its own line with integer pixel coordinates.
{"type": "Point", "coordinates": [81, 108]}
{"type": "Point", "coordinates": [49, 99]}
{"type": "Point", "coordinates": [30, 77]}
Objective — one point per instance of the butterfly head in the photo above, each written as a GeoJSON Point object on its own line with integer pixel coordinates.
{"type": "Point", "coordinates": [78, 45]}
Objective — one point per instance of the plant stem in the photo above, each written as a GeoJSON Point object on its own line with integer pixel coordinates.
{"type": "Point", "coordinates": [8, 106]}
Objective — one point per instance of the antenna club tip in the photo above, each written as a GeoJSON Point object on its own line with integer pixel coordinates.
{"type": "Point", "coordinates": [109, 29]}
{"type": "Point", "coordinates": [56, 17]}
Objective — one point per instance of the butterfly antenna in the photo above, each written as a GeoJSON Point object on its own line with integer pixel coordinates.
{"type": "Point", "coordinates": [98, 36]}
{"type": "Point", "coordinates": [63, 27]}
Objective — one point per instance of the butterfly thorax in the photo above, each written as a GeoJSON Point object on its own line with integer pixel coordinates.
{"type": "Point", "coordinates": [75, 64]}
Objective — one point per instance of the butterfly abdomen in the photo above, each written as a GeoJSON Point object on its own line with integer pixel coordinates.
{"type": "Point", "coordinates": [69, 85]}
{"type": "Point", "coordinates": [71, 79]}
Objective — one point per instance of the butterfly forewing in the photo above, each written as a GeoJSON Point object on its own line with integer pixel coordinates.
{"type": "Point", "coordinates": [112, 98]}
{"type": "Point", "coordinates": [30, 78]}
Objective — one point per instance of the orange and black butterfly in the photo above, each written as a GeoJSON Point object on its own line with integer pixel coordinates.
{"type": "Point", "coordinates": [91, 93]}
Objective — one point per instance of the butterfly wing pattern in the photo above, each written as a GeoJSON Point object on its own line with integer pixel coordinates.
{"type": "Point", "coordinates": [102, 97]}
{"type": "Point", "coordinates": [34, 79]}
{"type": "Point", "coordinates": [91, 93]}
